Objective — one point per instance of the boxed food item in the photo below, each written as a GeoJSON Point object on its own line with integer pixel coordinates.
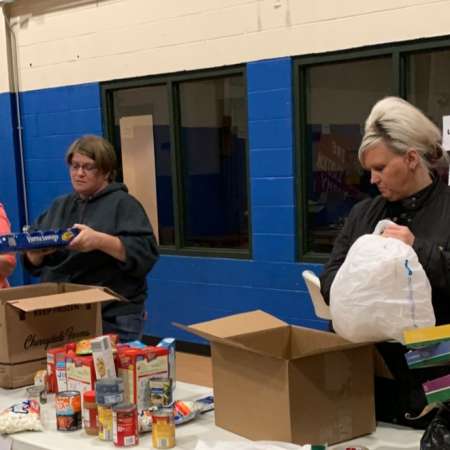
{"type": "Point", "coordinates": [437, 390]}
{"type": "Point", "coordinates": [36, 240]}
{"type": "Point", "coordinates": [53, 355]}
{"type": "Point", "coordinates": [102, 352]}
{"type": "Point", "coordinates": [169, 343]}
{"type": "Point", "coordinates": [279, 382]}
{"type": "Point", "coordinates": [136, 367]}
{"type": "Point", "coordinates": [431, 355]}
{"type": "Point", "coordinates": [36, 318]}
{"type": "Point", "coordinates": [80, 373]}
{"type": "Point", "coordinates": [420, 337]}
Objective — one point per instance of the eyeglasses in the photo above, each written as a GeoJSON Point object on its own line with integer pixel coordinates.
{"type": "Point", "coordinates": [88, 167]}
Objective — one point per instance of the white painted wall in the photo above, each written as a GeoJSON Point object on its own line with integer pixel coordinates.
{"type": "Point", "coordinates": [75, 41]}
{"type": "Point", "coordinates": [4, 69]}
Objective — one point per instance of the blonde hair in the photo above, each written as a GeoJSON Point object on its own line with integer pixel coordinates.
{"type": "Point", "coordinates": [99, 150]}
{"type": "Point", "coordinates": [402, 127]}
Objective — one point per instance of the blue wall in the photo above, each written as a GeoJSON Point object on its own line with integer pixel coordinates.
{"type": "Point", "coordinates": [52, 120]}
{"type": "Point", "coordinates": [9, 171]}
{"type": "Point", "coordinates": [187, 289]}
{"type": "Point", "coordinates": [194, 289]}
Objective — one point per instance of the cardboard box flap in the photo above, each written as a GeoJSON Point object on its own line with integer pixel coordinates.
{"type": "Point", "coordinates": [229, 330]}
{"type": "Point", "coordinates": [274, 342]}
{"type": "Point", "coordinates": [212, 338]}
{"type": "Point", "coordinates": [308, 342]}
{"type": "Point", "coordinates": [238, 324]}
{"type": "Point", "coordinates": [87, 296]}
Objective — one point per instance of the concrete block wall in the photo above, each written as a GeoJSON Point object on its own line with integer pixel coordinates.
{"type": "Point", "coordinates": [9, 170]}
{"type": "Point", "coordinates": [52, 119]}
{"type": "Point", "coordinates": [193, 289]}
{"type": "Point", "coordinates": [65, 48]}
{"type": "Point", "coordinates": [187, 289]}
{"type": "Point", "coordinates": [70, 42]}
{"type": "Point", "coordinates": [270, 122]}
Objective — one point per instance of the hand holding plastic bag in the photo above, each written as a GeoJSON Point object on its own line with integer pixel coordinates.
{"type": "Point", "coordinates": [380, 290]}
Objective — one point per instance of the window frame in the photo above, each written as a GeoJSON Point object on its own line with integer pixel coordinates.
{"type": "Point", "coordinates": [171, 81]}
{"type": "Point", "coordinates": [399, 53]}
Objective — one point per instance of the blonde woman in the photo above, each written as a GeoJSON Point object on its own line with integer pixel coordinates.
{"type": "Point", "coordinates": [400, 148]}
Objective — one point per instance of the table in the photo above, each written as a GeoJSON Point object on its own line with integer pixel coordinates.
{"type": "Point", "coordinates": [386, 437]}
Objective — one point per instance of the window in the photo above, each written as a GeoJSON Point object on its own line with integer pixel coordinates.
{"type": "Point", "coordinates": [334, 94]}
{"type": "Point", "coordinates": [338, 99]}
{"type": "Point", "coordinates": [197, 125]}
{"type": "Point", "coordinates": [212, 139]}
{"type": "Point", "coordinates": [428, 88]}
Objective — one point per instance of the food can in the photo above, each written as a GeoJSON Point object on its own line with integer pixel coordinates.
{"type": "Point", "coordinates": [160, 391]}
{"type": "Point", "coordinates": [163, 428]}
{"type": "Point", "coordinates": [68, 410]}
{"type": "Point", "coordinates": [109, 391]}
{"type": "Point", "coordinates": [125, 425]}
{"type": "Point", "coordinates": [105, 423]}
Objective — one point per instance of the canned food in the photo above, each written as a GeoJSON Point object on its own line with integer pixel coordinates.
{"type": "Point", "coordinates": [105, 423]}
{"type": "Point", "coordinates": [68, 411]}
{"type": "Point", "coordinates": [109, 391]}
{"type": "Point", "coordinates": [125, 425]}
{"type": "Point", "coordinates": [160, 391]}
{"type": "Point", "coordinates": [163, 428]}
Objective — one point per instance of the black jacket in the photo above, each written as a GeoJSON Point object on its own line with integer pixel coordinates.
{"type": "Point", "coordinates": [427, 214]}
{"type": "Point", "coordinates": [112, 211]}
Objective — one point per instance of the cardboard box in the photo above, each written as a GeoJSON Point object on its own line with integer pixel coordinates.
{"type": "Point", "coordinates": [37, 317]}
{"type": "Point", "coordinates": [273, 381]}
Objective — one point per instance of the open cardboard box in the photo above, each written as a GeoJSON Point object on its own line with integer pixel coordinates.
{"type": "Point", "coordinates": [274, 381]}
{"type": "Point", "coordinates": [37, 317]}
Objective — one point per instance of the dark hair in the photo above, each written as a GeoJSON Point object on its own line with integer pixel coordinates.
{"type": "Point", "coordinates": [98, 149]}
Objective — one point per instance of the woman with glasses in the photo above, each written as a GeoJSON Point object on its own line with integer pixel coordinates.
{"type": "Point", "coordinates": [400, 148]}
{"type": "Point", "coordinates": [115, 246]}
{"type": "Point", "coordinates": [7, 261]}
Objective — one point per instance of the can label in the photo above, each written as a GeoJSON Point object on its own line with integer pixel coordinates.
{"type": "Point", "coordinates": [160, 391]}
{"type": "Point", "coordinates": [163, 431]}
{"type": "Point", "coordinates": [68, 411]}
{"type": "Point", "coordinates": [125, 427]}
{"type": "Point", "coordinates": [105, 423]}
{"type": "Point", "coordinates": [90, 418]}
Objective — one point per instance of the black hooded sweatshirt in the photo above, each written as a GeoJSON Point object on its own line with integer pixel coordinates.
{"type": "Point", "coordinates": [113, 211]}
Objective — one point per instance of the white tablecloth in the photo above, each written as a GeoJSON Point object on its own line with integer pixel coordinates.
{"type": "Point", "coordinates": [188, 435]}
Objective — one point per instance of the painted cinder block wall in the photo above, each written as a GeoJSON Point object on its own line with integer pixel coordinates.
{"type": "Point", "coordinates": [192, 289]}
{"type": "Point", "coordinates": [65, 49]}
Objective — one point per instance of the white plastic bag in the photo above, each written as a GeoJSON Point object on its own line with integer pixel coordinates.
{"type": "Point", "coordinates": [23, 416]}
{"type": "Point", "coordinates": [380, 290]}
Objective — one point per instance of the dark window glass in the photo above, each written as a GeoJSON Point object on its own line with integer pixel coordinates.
{"type": "Point", "coordinates": [339, 98]}
{"type": "Point", "coordinates": [152, 100]}
{"type": "Point", "coordinates": [428, 87]}
{"type": "Point", "coordinates": [213, 135]}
